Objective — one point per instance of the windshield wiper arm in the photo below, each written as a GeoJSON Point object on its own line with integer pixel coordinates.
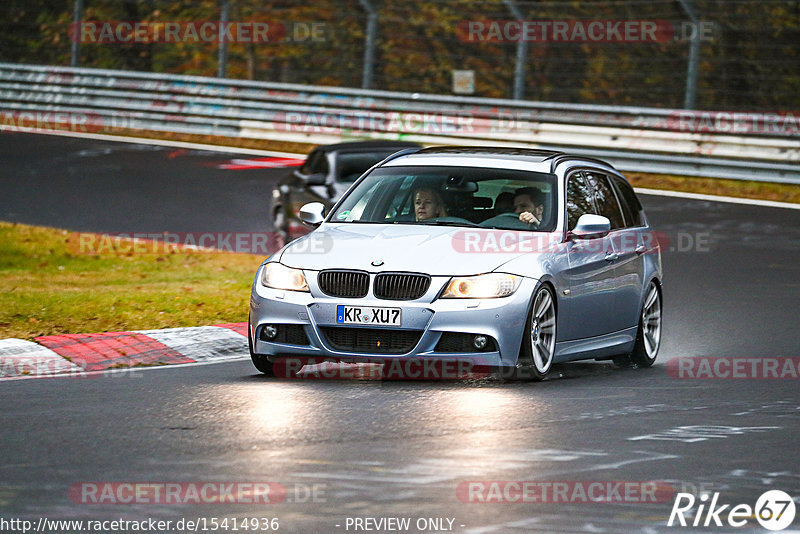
{"type": "Point", "coordinates": [452, 223]}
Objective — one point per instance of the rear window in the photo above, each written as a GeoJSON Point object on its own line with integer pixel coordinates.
{"type": "Point", "coordinates": [606, 200]}
{"type": "Point", "coordinates": [629, 201]}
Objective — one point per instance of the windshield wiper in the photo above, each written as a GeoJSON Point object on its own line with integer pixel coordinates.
{"type": "Point", "coordinates": [512, 229]}
{"type": "Point", "coordinates": [451, 223]}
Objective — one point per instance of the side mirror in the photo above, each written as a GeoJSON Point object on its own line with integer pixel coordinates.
{"type": "Point", "coordinates": [312, 213]}
{"type": "Point", "coordinates": [317, 178]}
{"type": "Point", "coordinates": [590, 226]}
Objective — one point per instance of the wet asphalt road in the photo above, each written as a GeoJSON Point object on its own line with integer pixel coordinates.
{"type": "Point", "coordinates": [402, 449]}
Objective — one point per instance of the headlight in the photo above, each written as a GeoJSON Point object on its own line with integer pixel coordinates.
{"type": "Point", "coordinates": [483, 286]}
{"type": "Point", "coordinates": [279, 276]}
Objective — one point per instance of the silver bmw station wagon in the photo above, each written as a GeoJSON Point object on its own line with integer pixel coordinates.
{"type": "Point", "coordinates": [500, 258]}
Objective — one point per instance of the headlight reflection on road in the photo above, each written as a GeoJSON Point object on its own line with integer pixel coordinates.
{"type": "Point", "coordinates": [479, 402]}
{"type": "Point", "coordinates": [489, 421]}
{"type": "Point", "coordinates": [278, 408]}
{"type": "Point", "coordinates": [489, 408]}
{"type": "Point", "coordinates": [494, 408]}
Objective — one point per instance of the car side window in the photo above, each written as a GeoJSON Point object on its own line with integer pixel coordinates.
{"type": "Point", "coordinates": [579, 199]}
{"type": "Point", "coordinates": [606, 200]}
{"type": "Point", "coordinates": [630, 203]}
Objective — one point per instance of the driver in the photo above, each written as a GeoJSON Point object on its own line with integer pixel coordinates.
{"type": "Point", "coordinates": [529, 205]}
{"type": "Point", "coordinates": [428, 205]}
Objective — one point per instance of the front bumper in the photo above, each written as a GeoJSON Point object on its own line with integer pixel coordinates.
{"type": "Point", "coordinates": [502, 319]}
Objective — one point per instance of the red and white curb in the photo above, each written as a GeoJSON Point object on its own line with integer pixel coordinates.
{"type": "Point", "coordinates": [241, 164]}
{"type": "Point", "coordinates": [76, 355]}
{"type": "Point", "coordinates": [20, 358]}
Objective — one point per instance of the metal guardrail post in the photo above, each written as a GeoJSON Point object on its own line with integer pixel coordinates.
{"type": "Point", "coordinates": [224, 16]}
{"type": "Point", "coordinates": [369, 45]}
{"type": "Point", "coordinates": [690, 99]}
{"type": "Point", "coordinates": [522, 53]}
{"type": "Point", "coordinates": [77, 17]}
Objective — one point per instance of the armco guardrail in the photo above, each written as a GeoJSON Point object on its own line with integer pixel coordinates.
{"type": "Point", "coordinates": [740, 146]}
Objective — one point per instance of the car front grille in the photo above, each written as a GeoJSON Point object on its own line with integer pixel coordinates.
{"type": "Point", "coordinates": [401, 286]}
{"type": "Point", "coordinates": [345, 284]}
{"type": "Point", "coordinates": [371, 340]}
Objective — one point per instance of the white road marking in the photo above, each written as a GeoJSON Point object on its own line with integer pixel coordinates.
{"type": "Point", "coordinates": [695, 433]}
{"type": "Point", "coordinates": [165, 142]}
{"type": "Point", "coordinates": [647, 457]}
{"type": "Point", "coordinates": [717, 198]}
{"type": "Point", "coordinates": [129, 371]}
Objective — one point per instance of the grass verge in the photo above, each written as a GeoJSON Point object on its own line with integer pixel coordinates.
{"type": "Point", "coordinates": [717, 186]}
{"type": "Point", "coordinates": [46, 288]}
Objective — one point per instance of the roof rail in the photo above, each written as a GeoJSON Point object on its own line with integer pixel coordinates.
{"type": "Point", "coordinates": [492, 150]}
{"type": "Point", "coordinates": [404, 152]}
{"type": "Point", "coordinates": [566, 157]}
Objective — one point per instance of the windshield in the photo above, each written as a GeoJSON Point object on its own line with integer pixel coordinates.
{"type": "Point", "coordinates": [454, 196]}
{"type": "Point", "coordinates": [351, 165]}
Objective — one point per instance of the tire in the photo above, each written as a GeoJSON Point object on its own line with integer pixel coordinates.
{"type": "Point", "coordinates": [259, 360]}
{"type": "Point", "coordinates": [648, 335]}
{"type": "Point", "coordinates": [280, 227]}
{"type": "Point", "coordinates": [539, 340]}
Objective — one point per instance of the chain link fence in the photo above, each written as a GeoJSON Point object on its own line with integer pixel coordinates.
{"type": "Point", "coordinates": [702, 54]}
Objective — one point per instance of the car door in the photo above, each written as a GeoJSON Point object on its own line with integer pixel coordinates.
{"type": "Point", "coordinates": [631, 243]}
{"type": "Point", "coordinates": [626, 279]}
{"type": "Point", "coordinates": [591, 272]}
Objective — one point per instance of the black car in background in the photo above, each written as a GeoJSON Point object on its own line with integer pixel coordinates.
{"type": "Point", "coordinates": [326, 174]}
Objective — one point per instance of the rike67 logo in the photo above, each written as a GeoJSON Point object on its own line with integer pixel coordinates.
{"type": "Point", "coordinates": [774, 510]}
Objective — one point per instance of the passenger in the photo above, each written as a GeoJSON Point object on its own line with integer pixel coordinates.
{"type": "Point", "coordinates": [504, 203]}
{"type": "Point", "coordinates": [529, 205]}
{"type": "Point", "coordinates": [428, 205]}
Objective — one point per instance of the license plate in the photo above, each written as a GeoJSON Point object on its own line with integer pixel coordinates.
{"type": "Point", "coordinates": [367, 315]}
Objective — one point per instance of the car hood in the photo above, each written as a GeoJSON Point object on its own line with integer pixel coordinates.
{"type": "Point", "coordinates": [436, 250]}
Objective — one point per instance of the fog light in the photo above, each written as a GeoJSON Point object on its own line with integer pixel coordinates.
{"type": "Point", "coordinates": [479, 342]}
{"type": "Point", "coordinates": [269, 332]}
